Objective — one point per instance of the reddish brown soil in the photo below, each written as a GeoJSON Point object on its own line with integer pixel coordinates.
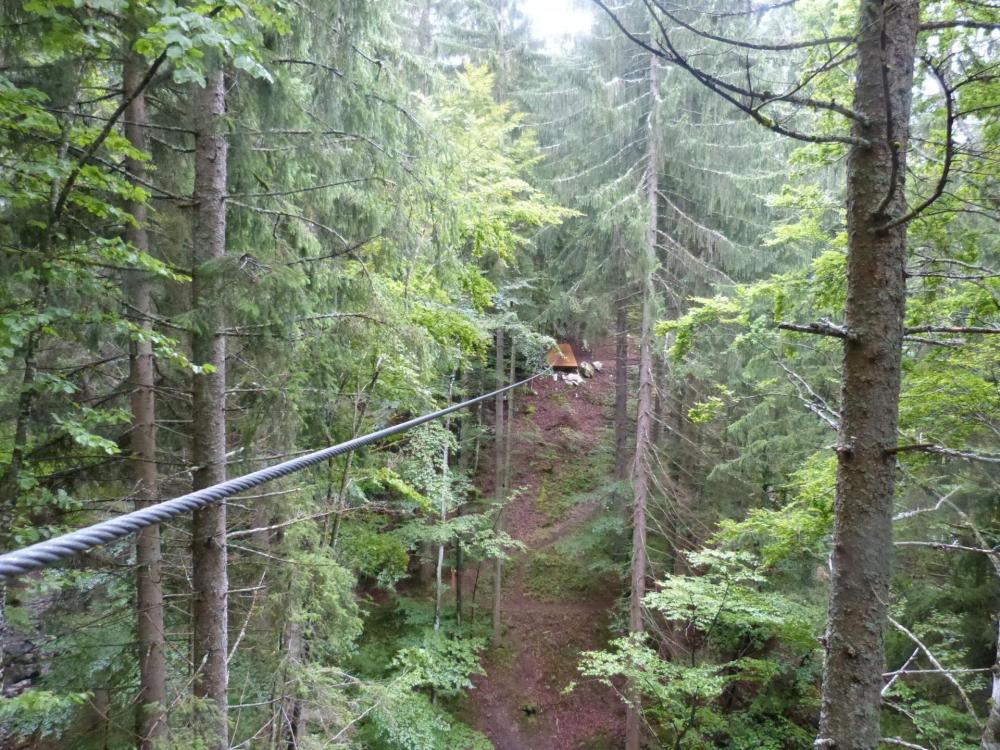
{"type": "Point", "coordinates": [520, 704]}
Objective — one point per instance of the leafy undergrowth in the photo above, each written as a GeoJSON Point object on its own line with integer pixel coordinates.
{"type": "Point", "coordinates": [570, 483]}
{"type": "Point", "coordinates": [414, 680]}
{"type": "Point", "coordinates": [580, 564]}
{"type": "Point", "coordinates": [553, 575]}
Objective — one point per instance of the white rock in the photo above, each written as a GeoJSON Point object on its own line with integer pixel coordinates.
{"type": "Point", "coordinates": [598, 366]}
{"type": "Point", "coordinates": [573, 379]}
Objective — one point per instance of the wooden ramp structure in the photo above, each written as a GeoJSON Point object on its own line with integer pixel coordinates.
{"type": "Point", "coordinates": [562, 357]}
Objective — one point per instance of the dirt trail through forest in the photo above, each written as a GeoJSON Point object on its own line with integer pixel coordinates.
{"type": "Point", "coordinates": [520, 704]}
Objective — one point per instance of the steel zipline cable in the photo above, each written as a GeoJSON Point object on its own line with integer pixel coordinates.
{"type": "Point", "coordinates": [43, 554]}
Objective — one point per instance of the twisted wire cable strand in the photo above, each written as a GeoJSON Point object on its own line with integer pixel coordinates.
{"type": "Point", "coordinates": [43, 554]}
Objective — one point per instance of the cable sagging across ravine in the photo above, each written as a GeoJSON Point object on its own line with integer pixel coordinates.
{"type": "Point", "coordinates": [45, 553]}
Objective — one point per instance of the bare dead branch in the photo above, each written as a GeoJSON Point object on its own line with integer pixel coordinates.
{"type": "Point", "coordinates": [944, 546]}
{"type": "Point", "coordinates": [891, 141]}
{"type": "Point", "coordinates": [949, 153]}
{"type": "Point", "coordinates": [822, 328]}
{"type": "Point", "coordinates": [901, 743]}
{"type": "Point", "coordinates": [290, 215]}
{"type": "Point", "coordinates": [941, 501]}
{"type": "Point", "coordinates": [904, 672]}
{"type": "Point", "coordinates": [84, 159]}
{"type": "Point", "coordinates": [242, 330]}
{"type": "Point", "coordinates": [668, 53]}
{"type": "Point", "coordinates": [813, 401]}
{"type": "Point", "coordinates": [309, 189]}
{"type": "Point", "coordinates": [958, 24]}
{"type": "Point", "coordinates": [952, 329]}
{"type": "Point", "coordinates": [786, 47]}
{"type": "Point", "coordinates": [336, 254]}
{"type": "Point", "coordinates": [893, 676]}
{"type": "Point", "coordinates": [941, 450]}
{"type": "Point", "coordinates": [933, 660]}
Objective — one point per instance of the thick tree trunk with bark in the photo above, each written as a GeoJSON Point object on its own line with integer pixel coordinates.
{"type": "Point", "coordinates": [642, 465]}
{"type": "Point", "coordinates": [876, 303]}
{"type": "Point", "coordinates": [150, 719]}
{"type": "Point", "coordinates": [498, 438]}
{"type": "Point", "coordinates": [210, 578]}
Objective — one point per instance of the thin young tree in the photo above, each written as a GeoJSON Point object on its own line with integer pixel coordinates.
{"type": "Point", "coordinates": [498, 446]}
{"type": "Point", "coordinates": [443, 506]}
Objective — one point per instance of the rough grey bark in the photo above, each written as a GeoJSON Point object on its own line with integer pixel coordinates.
{"type": "Point", "coordinates": [208, 346]}
{"type": "Point", "coordinates": [509, 424]}
{"type": "Point", "coordinates": [642, 465]}
{"type": "Point", "coordinates": [991, 731]}
{"type": "Point", "coordinates": [659, 402]}
{"type": "Point", "coordinates": [465, 460]}
{"type": "Point", "coordinates": [498, 446]}
{"type": "Point", "coordinates": [876, 302]}
{"type": "Point", "coordinates": [150, 717]}
{"type": "Point", "coordinates": [621, 380]}
{"type": "Point", "coordinates": [291, 723]}
{"type": "Point", "coordinates": [443, 517]}
{"type": "Point", "coordinates": [457, 572]}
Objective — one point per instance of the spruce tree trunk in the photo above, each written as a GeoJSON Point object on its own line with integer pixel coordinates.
{"type": "Point", "coordinates": [360, 408]}
{"type": "Point", "coordinates": [509, 425]}
{"type": "Point", "coordinates": [642, 465]}
{"type": "Point", "coordinates": [464, 461]}
{"type": "Point", "coordinates": [991, 732]}
{"type": "Point", "coordinates": [659, 403]}
{"type": "Point", "coordinates": [621, 380]}
{"type": "Point", "coordinates": [457, 573]}
{"type": "Point", "coordinates": [443, 518]}
{"type": "Point", "coordinates": [862, 541]}
{"type": "Point", "coordinates": [498, 445]}
{"type": "Point", "coordinates": [208, 345]}
{"type": "Point", "coordinates": [150, 719]}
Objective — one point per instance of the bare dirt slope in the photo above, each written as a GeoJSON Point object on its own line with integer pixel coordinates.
{"type": "Point", "coordinates": [520, 703]}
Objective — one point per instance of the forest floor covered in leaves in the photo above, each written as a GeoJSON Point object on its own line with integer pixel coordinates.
{"type": "Point", "coordinates": [554, 605]}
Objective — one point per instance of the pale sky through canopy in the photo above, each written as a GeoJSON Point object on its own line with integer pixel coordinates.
{"type": "Point", "coordinates": [552, 20]}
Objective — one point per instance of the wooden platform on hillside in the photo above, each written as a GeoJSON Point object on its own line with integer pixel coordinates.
{"type": "Point", "coordinates": [563, 357]}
